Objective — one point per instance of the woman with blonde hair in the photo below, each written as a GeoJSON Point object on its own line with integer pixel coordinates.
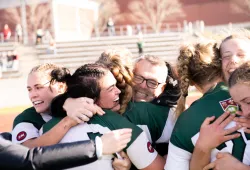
{"type": "Point", "coordinates": [199, 64]}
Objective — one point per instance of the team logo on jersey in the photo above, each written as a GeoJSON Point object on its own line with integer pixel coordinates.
{"type": "Point", "coordinates": [229, 105]}
{"type": "Point", "coordinates": [21, 135]}
{"type": "Point", "coordinates": [150, 147]}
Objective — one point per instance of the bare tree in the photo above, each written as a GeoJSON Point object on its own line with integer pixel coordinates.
{"type": "Point", "coordinates": [155, 12]}
{"type": "Point", "coordinates": [107, 9]}
{"type": "Point", "coordinates": [39, 16]}
{"type": "Point", "coordinates": [241, 6]}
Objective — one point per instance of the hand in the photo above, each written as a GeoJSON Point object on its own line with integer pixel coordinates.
{"type": "Point", "coordinates": [70, 122]}
{"type": "Point", "coordinates": [226, 161]}
{"type": "Point", "coordinates": [81, 109]}
{"type": "Point", "coordinates": [212, 135]}
{"type": "Point", "coordinates": [122, 164]}
{"type": "Point", "coordinates": [244, 122]}
{"type": "Point", "coordinates": [115, 140]}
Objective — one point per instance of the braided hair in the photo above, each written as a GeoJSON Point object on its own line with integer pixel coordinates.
{"type": "Point", "coordinates": [198, 63]}
{"type": "Point", "coordinates": [119, 62]}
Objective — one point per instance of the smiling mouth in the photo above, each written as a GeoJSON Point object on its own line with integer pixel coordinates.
{"type": "Point", "coordinates": [35, 103]}
{"type": "Point", "coordinates": [141, 94]}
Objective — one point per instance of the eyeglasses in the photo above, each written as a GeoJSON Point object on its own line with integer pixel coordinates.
{"type": "Point", "coordinates": [149, 82]}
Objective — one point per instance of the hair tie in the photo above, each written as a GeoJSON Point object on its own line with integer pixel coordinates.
{"type": "Point", "coordinates": [185, 95]}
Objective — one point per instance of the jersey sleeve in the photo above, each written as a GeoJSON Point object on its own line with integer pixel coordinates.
{"type": "Point", "coordinates": [23, 132]}
{"type": "Point", "coordinates": [177, 158]}
{"type": "Point", "coordinates": [141, 152]}
{"type": "Point", "coordinates": [168, 128]}
{"type": "Point", "coordinates": [26, 126]}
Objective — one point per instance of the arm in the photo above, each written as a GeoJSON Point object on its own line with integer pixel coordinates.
{"type": "Point", "coordinates": [217, 135]}
{"type": "Point", "coordinates": [143, 155]}
{"type": "Point", "coordinates": [15, 156]}
{"type": "Point", "coordinates": [53, 136]}
{"type": "Point", "coordinates": [62, 156]}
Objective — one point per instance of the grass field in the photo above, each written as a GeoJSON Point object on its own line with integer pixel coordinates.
{"type": "Point", "coordinates": [7, 115]}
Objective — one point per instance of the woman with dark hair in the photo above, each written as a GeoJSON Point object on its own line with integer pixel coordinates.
{"type": "Point", "coordinates": [97, 82]}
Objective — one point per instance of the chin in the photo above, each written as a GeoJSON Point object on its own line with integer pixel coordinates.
{"type": "Point", "coordinates": [116, 108]}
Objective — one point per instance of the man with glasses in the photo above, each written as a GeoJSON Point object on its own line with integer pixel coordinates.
{"type": "Point", "coordinates": [154, 81]}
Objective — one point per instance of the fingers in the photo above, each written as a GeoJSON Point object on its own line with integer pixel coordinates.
{"type": "Point", "coordinates": [230, 137]}
{"type": "Point", "coordinates": [239, 113]}
{"type": "Point", "coordinates": [87, 100]}
{"type": "Point", "coordinates": [83, 117]}
{"type": "Point", "coordinates": [232, 129]}
{"type": "Point", "coordinates": [99, 110]}
{"type": "Point", "coordinates": [241, 120]}
{"type": "Point", "coordinates": [227, 121]}
{"type": "Point", "coordinates": [123, 154]}
{"type": "Point", "coordinates": [77, 119]}
{"type": "Point", "coordinates": [86, 113]}
{"type": "Point", "coordinates": [221, 118]}
{"type": "Point", "coordinates": [247, 130]}
{"type": "Point", "coordinates": [209, 166]}
{"type": "Point", "coordinates": [120, 164]}
{"type": "Point", "coordinates": [207, 121]}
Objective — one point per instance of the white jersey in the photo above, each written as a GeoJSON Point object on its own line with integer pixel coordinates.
{"type": "Point", "coordinates": [139, 148]}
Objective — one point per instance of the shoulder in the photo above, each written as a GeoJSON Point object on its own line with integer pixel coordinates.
{"type": "Point", "coordinates": [29, 115]}
{"type": "Point", "coordinates": [114, 121]}
{"type": "Point", "coordinates": [51, 123]}
{"type": "Point", "coordinates": [189, 122]}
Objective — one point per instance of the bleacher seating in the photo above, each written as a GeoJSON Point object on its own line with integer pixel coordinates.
{"type": "Point", "coordinates": [7, 71]}
{"type": "Point", "coordinates": [75, 54]}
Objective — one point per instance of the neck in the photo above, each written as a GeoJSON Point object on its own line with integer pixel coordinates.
{"type": "Point", "coordinates": [205, 88]}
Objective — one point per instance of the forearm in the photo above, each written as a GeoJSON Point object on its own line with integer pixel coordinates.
{"type": "Point", "coordinates": [200, 158]}
{"type": "Point", "coordinates": [51, 137]}
{"type": "Point", "coordinates": [60, 156]}
{"type": "Point", "coordinates": [63, 156]}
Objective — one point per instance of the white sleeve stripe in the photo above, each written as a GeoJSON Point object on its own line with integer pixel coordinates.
{"type": "Point", "coordinates": [169, 126]}
{"type": "Point", "coordinates": [28, 128]}
{"type": "Point", "coordinates": [177, 158]}
{"type": "Point", "coordinates": [139, 153]}
{"type": "Point", "coordinates": [146, 130]}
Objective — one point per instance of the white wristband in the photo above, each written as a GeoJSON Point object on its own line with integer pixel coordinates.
{"type": "Point", "coordinates": [98, 144]}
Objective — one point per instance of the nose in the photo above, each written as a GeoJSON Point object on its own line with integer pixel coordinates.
{"type": "Point", "coordinates": [143, 84]}
{"type": "Point", "coordinates": [235, 59]}
{"type": "Point", "coordinates": [118, 91]}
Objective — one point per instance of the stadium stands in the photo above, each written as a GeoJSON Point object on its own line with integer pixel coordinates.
{"type": "Point", "coordinates": [75, 54]}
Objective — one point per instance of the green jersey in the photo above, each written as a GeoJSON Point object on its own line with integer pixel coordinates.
{"type": "Point", "coordinates": [27, 125]}
{"type": "Point", "coordinates": [157, 121]}
{"type": "Point", "coordinates": [186, 132]}
{"type": "Point", "coordinates": [139, 149]}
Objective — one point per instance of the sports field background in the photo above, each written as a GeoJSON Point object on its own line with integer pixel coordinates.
{"type": "Point", "coordinates": [7, 115]}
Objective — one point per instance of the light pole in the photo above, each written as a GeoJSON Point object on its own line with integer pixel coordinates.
{"type": "Point", "coordinates": [24, 22]}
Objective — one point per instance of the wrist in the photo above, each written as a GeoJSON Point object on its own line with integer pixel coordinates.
{"type": "Point", "coordinates": [68, 122]}
{"type": "Point", "coordinates": [99, 147]}
{"type": "Point", "coordinates": [203, 147]}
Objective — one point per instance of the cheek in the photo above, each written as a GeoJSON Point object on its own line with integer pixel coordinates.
{"type": "Point", "coordinates": [246, 110]}
{"type": "Point", "coordinates": [224, 64]}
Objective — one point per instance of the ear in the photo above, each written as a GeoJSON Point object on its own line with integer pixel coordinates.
{"type": "Point", "coordinates": [163, 86]}
{"type": "Point", "coordinates": [61, 87]}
